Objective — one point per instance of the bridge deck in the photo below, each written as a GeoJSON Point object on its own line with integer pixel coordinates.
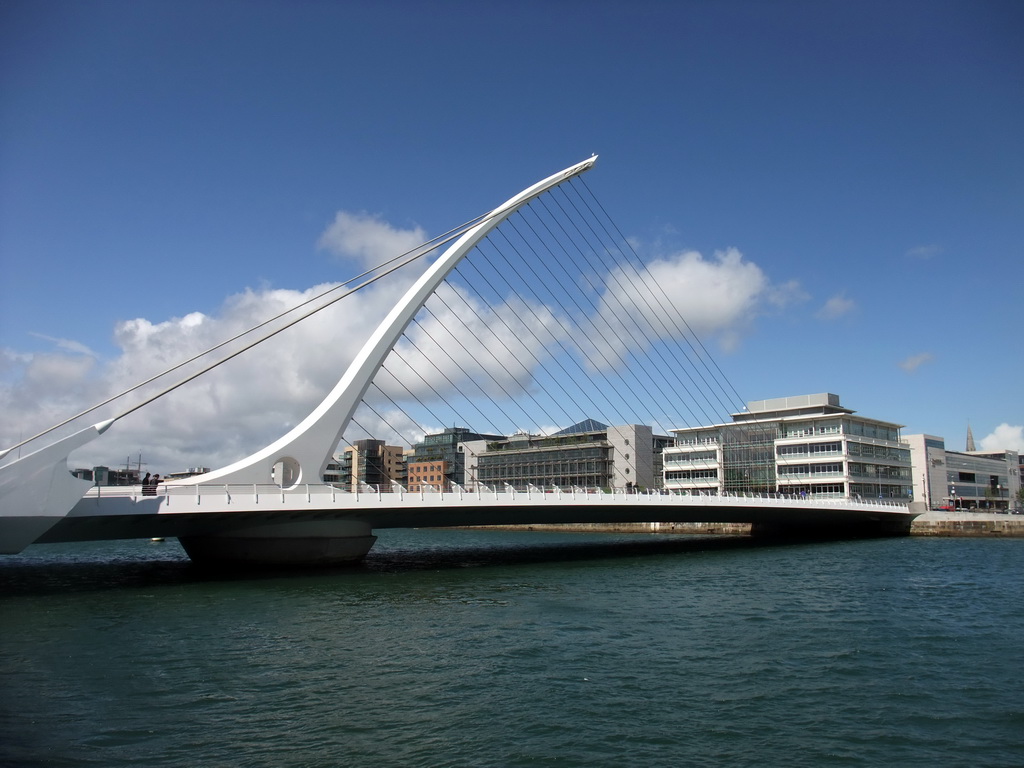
{"type": "Point", "coordinates": [202, 510]}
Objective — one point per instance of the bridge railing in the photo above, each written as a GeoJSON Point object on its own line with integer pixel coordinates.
{"type": "Point", "coordinates": [311, 493]}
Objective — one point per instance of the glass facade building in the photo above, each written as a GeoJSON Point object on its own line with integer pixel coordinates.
{"type": "Point", "coordinates": [808, 445]}
{"type": "Point", "coordinates": [585, 455]}
{"type": "Point", "coordinates": [439, 461]}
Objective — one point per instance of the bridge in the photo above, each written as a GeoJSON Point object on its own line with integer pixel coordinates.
{"type": "Point", "coordinates": [274, 506]}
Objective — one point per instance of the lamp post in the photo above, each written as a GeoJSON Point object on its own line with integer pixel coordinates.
{"type": "Point", "coordinates": [952, 493]}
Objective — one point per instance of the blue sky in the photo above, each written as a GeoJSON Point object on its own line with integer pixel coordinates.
{"type": "Point", "coordinates": [163, 159]}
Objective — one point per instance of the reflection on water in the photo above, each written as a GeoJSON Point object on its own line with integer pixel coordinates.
{"type": "Point", "coordinates": [91, 566]}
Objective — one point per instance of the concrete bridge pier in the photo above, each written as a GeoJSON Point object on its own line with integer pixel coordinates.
{"type": "Point", "coordinates": [309, 543]}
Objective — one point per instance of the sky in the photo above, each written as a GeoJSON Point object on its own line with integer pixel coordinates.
{"type": "Point", "coordinates": [836, 188]}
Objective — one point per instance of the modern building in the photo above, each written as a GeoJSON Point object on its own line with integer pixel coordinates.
{"type": "Point", "coordinates": [367, 462]}
{"type": "Point", "coordinates": [587, 454]}
{"type": "Point", "coordinates": [966, 480]}
{"type": "Point", "coordinates": [973, 480]}
{"type": "Point", "coordinates": [928, 461]}
{"type": "Point", "coordinates": [983, 479]}
{"type": "Point", "coordinates": [439, 461]}
{"type": "Point", "coordinates": [807, 445]}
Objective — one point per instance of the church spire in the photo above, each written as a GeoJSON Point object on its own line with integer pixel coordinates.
{"type": "Point", "coordinates": [970, 438]}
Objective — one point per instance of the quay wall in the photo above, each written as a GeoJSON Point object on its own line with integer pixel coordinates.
{"type": "Point", "coordinates": [928, 524]}
{"type": "Point", "coordinates": [968, 524]}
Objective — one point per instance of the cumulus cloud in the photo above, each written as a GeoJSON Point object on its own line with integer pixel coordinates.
{"type": "Point", "coordinates": [836, 307]}
{"type": "Point", "coordinates": [914, 362]}
{"type": "Point", "coordinates": [719, 297]}
{"type": "Point", "coordinates": [1005, 437]}
{"type": "Point", "coordinates": [215, 419]}
{"type": "Point", "coordinates": [368, 238]}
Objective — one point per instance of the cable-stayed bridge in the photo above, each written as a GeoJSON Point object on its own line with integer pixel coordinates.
{"type": "Point", "coordinates": [536, 315]}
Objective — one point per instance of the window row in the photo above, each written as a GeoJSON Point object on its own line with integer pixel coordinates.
{"type": "Point", "coordinates": [830, 468]}
{"type": "Point", "coordinates": [690, 457]}
{"type": "Point", "coordinates": [880, 491]}
{"type": "Point", "coordinates": [692, 474]}
{"type": "Point", "coordinates": [859, 469]}
{"type": "Point", "coordinates": [831, 427]}
{"type": "Point", "coordinates": [505, 458]}
{"type": "Point", "coordinates": [883, 452]}
{"type": "Point", "coordinates": [805, 449]}
{"type": "Point", "coordinates": [876, 431]}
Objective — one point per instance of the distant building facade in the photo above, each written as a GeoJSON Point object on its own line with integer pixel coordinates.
{"type": "Point", "coordinates": [807, 445]}
{"type": "Point", "coordinates": [587, 454]}
{"type": "Point", "coordinates": [106, 476]}
{"type": "Point", "coordinates": [440, 460]}
{"type": "Point", "coordinates": [971, 480]}
{"type": "Point", "coordinates": [367, 462]}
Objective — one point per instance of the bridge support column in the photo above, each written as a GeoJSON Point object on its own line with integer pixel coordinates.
{"type": "Point", "coordinates": [312, 543]}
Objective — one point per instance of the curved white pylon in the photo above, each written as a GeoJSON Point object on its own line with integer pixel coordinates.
{"type": "Point", "coordinates": [305, 451]}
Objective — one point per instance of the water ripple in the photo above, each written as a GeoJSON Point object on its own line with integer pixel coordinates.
{"type": "Point", "coordinates": [475, 648]}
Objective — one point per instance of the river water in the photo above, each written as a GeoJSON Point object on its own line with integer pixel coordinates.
{"type": "Point", "coordinates": [487, 648]}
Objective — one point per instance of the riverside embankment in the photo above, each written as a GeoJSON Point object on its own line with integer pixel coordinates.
{"type": "Point", "coordinates": [933, 523]}
{"type": "Point", "coordinates": [937, 523]}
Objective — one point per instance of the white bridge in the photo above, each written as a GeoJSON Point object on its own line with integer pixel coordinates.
{"type": "Point", "coordinates": [273, 506]}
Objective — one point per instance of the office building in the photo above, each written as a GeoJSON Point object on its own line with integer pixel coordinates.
{"type": "Point", "coordinates": [439, 461]}
{"type": "Point", "coordinates": [964, 480]}
{"type": "Point", "coordinates": [586, 455]}
{"type": "Point", "coordinates": [367, 462]}
{"type": "Point", "coordinates": [807, 445]}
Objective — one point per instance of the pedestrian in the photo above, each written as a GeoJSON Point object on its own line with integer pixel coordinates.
{"type": "Point", "coordinates": [148, 488]}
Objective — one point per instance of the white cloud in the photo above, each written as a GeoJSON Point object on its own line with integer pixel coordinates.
{"type": "Point", "coordinates": [68, 345]}
{"type": "Point", "coordinates": [224, 415]}
{"type": "Point", "coordinates": [368, 238]}
{"type": "Point", "coordinates": [836, 307]}
{"type": "Point", "coordinates": [719, 297]}
{"type": "Point", "coordinates": [1005, 437]}
{"type": "Point", "coordinates": [914, 362]}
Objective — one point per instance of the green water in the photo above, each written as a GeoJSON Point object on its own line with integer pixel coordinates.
{"type": "Point", "coordinates": [476, 648]}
